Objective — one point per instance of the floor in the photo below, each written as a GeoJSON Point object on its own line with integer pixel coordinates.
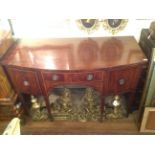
{"type": "Point", "coordinates": [122, 126]}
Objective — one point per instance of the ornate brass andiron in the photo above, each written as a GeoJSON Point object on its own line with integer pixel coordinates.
{"type": "Point", "coordinates": [118, 109]}
{"type": "Point", "coordinates": [35, 104]}
{"type": "Point", "coordinates": [91, 104]}
{"type": "Point", "coordinates": [66, 101]}
{"type": "Point", "coordinates": [78, 105]}
{"type": "Point", "coordinates": [89, 99]}
{"type": "Point", "coordinates": [35, 112]}
{"type": "Point", "coordinates": [116, 104]}
{"type": "Point", "coordinates": [62, 105]}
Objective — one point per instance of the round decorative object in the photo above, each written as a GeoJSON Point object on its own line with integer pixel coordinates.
{"type": "Point", "coordinates": [114, 25]}
{"type": "Point", "coordinates": [26, 83]}
{"type": "Point", "coordinates": [122, 81]}
{"type": "Point", "coordinates": [55, 77]}
{"type": "Point", "coordinates": [88, 25]}
{"type": "Point", "coordinates": [90, 77]}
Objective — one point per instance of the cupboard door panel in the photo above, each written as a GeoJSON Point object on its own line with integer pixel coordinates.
{"type": "Point", "coordinates": [123, 80]}
{"type": "Point", "coordinates": [25, 81]}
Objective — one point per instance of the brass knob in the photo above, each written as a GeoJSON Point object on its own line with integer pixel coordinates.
{"type": "Point", "coordinates": [90, 77]}
{"type": "Point", "coordinates": [26, 83]}
{"type": "Point", "coordinates": [121, 81]}
{"type": "Point", "coordinates": [55, 77]}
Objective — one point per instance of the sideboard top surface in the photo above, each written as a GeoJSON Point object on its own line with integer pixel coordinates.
{"type": "Point", "coordinates": [75, 53]}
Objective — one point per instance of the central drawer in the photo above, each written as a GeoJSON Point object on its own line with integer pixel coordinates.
{"type": "Point", "coordinates": [72, 77]}
{"type": "Point", "coordinates": [87, 76]}
{"type": "Point", "coordinates": [94, 79]}
{"type": "Point", "coordinates": [54, 76]}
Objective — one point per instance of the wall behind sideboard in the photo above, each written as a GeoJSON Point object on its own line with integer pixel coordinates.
{"type": "Point", "coordinates": [41, 28]}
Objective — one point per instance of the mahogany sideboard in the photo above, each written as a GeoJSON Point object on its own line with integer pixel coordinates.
{"type": "Point", "coordinates": [111, 65]}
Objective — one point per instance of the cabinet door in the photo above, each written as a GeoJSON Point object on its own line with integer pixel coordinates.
{"type": "Point", "coordinates": [123, 80]}
{"type": "Point", "coordinates": [25, 81]}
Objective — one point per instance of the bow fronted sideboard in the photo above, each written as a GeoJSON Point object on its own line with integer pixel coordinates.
{"type": "Point", "coordinates": [111, 65]}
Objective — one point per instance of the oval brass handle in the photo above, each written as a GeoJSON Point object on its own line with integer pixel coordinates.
{"type": "Point", "coordinates": [55, 77]}
{"type": "Point", "coordinates": [121, 81]}
{"type": "Point", "coordinates": [90, 77]}
{"type": "Point", "coordinates": [26, 83]}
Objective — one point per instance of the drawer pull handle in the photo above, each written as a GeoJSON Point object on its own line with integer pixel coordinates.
{"type": "Point", "coordinates": [90, 77]}
{"type": "Point", "coordinates": [121, 81]}
{"type": "Point", "coordinates": [55, 77]}
{"type": "Point", "coordinates": [26, 83]}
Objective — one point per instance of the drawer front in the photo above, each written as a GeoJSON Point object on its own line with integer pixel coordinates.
{"type": "Point", "coordinates": [72, 77]}
{"type": "Point", "coordinates": [98, 85]}
{"type": "Point", "coordinates": [86, 77]}
{"type": "Point", "coordinates": [54, 77]}
{"type": "Point", "coordinates": [123, 80]}
{"type": "Point", "coordinates": [94, 79]}
{"type": "Point", "coordinates": [25, 81]}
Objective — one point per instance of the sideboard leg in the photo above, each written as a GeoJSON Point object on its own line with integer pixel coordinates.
{"type": "Point", "coordinates": [24, 104]}
{"type": "Point", "coordinates": [48, 107]}
{"type": "Point", "coordinates": [102, 108]}
{"type": "Point", "coordinates": [131, 102]}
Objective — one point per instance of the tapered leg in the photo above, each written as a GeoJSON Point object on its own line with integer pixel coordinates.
{"type": "Point", "coordinates": [102, 108]}
{"type": "Point", "coordinates": [48, 107]}
{"type": "Point", "coordinates": [131, 101]}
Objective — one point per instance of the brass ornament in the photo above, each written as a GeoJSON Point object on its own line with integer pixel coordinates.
{"type": "Point", "coordinates": [118, 110]}
{"type": "Point", "coordinates": [91, 102]}
{"type": "Point", "coordinates": [114, 25]}
{"type": "Point", "coordinates": [35, 104]}
{"type": "Point", "coordinates": [61, 106]}
{"type": "Point", "coordinates": [36, 112]}
{"type": "Point", "coordinates": [77, 106]}
{"type": "Point", "coordinates": [66, 101]}
{"type": "Point", "coordinates": [88, 25]}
